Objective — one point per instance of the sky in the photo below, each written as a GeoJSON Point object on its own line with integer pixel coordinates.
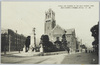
{"type": "Point", "coordinates": [24, 16]}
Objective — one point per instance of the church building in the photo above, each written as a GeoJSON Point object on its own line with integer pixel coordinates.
{"type": "Point", "coordinates": [53, 30]}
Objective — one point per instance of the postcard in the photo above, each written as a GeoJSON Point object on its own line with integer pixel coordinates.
{"type": "Point", "coordinates": [49, 32]}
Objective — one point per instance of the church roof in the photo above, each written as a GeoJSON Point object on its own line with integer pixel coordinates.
{"type": "Point", "coordinates": [70, 31]}
{"type": "Point", "coordinates": [57, 26]}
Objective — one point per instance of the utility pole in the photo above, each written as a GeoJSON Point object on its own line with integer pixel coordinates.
{"type": "Point", "coordinates": [9, 41]}
{"type": "Point", "coordinates": [34, 38]}
{"type": "Point", "coordinates": [81, 45]}
{"type": "Point", "coordinates": [5, 37]}
{"type": "Point", "coordinates": [16, 40]}
{"type": "Point", "coordinates": [19, 46]}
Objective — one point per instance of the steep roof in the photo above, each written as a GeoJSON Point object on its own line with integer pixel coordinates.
{"type": "Point", "coordinates": [70, 31]}
{"type": "Point", "coordinates": [57, 26]}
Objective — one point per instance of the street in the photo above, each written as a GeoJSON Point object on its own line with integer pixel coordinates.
{"type": "Point", "coordinates": [81, 58]}
{"type": "Point", "coordinates": [75, 58]}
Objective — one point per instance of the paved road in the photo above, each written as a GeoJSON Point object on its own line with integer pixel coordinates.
{"type": "Point", "coordinates": [78, 58]}
{"type": "Point", "coordinates": [52, 59]}
{"type": "Point", "coordinates": [81, 58]}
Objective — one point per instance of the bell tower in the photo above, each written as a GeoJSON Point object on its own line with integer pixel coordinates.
{"type": "Point", "coordinates": [49, 22]}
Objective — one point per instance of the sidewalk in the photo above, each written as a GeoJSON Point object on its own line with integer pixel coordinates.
{"type": "Point", "coordinates": [27, 54]}
{"type": "Point", "coordinates": [16, 53]}
{"type": "Point", "coordinates": [12, 52]}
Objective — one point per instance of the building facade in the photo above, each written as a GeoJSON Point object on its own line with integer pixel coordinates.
{"type": "Point", "coordinates": [71, 39]}
{"type": "Point", "coordinates": [11, 41]}
{"type": "Point", "coordinates": [49, 22]}
{"type": "Point", "coordinates": [53, 30]}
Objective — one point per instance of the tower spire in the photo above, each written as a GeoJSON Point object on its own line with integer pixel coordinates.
{"type": "Point", "coordinates": [49, 21]}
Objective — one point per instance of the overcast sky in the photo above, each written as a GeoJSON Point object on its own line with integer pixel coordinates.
{"type": "Point", "coordinates": [23, 16]}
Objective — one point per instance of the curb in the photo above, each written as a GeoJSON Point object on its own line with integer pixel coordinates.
{"type": "Point", "coordinates": [32, 54]}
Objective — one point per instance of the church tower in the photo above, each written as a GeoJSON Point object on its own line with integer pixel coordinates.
{"type": "Point", "coordinates": [49, 22]}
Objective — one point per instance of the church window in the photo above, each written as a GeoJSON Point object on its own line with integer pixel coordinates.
{"type": "Point", "coordinates": [48, 16]}
{"type": "Point", "coordinates": [72, 39]}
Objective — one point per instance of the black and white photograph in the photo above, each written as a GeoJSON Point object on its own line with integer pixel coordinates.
{"type": "Point", "coordinates": [49, 32]}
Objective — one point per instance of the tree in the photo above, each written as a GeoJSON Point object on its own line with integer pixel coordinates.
{"type": "Point", "coordinates": [58, 44]}
{"type": "Point", "coordinates": [47, 45]}
{"type": "Point", "coordinates": [64, 42]}
{"type": "Point", "coordinates": [95, 34]}
{"type": "Point", "coordinates": [27, 43]}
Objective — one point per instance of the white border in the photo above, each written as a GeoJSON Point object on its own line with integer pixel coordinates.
{"type": "Point", "coordinates": [49, 1]}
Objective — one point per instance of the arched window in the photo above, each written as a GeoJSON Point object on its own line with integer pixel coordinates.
{"type": "Point", "coordinates": [46, 15]}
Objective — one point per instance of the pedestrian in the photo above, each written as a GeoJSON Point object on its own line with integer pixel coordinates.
{"type": "Point", "coordinates": [81, 50]}
{"type": "Point", "coordinates": [89, 51]}
{"type": "Point", "coordinates": [68, 49]}
{"type": "Point", "coordinates": [85, 50]}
